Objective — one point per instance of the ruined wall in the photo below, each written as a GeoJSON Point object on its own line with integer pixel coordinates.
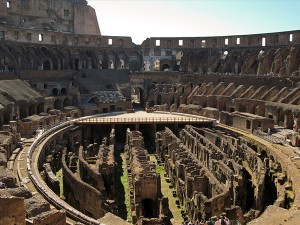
{"type": "Point", "coordinates": [12, 210]}
{"type": "Point", "coordinates": [146, 196]}
{"type": "Point", "coordinates": [88, 199]}
{"type": "Point", "coordinates": [52, 217]}
{"type": "Point", "coordinates": [85, 20]}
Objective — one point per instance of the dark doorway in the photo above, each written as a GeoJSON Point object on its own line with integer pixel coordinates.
{"type": "Point", "coordinates": [54, 91]}
{"type": "Point", "coordinates": [47, 65]}
{"type": "Point", "coordinates": [148, 208]}
{"type": "Point", "coordinates": [76, 64]}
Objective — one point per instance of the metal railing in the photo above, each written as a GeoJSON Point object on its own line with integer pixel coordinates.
{"type": "Point", "coordinates": [142, 120]}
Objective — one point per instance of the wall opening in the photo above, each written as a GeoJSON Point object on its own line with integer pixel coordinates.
{"type": "Point", "coordinates": [57, 104]}
{"type": "Point", "coordinates": [76, 64]}
{"type": "Point", "coordinates": [63, 91]}
{"type": "Point", "coordinates": [41, 37]}
{"type": "Point", "coordinates": [270, 191]}
{"type": "Point", "coordinates": [157, 42]}
{"type": "Point", "coordinates": [249, 190]}
{"type": "Point", "coordinates": [109, 41]}
{"type": "Point", "coordinates": [248, 124]}
{"type": "Point", "coordinates": [8, 4]}
{"type": "Point", "coordinates": [238, 41]}
{"type": "Point", "coordinates": [203, 44]}
{"type": "Point", "coordinates": [54, 91]}
{"type": "Point", "coordinates": [2, 35]}
{"type": "Point", "coordinates": [148, 208]}
{"type": "Point", "coordinates": [165, 67]}
{"type": "Point", "coordinates": [180, 42]}
{"type": "Point", "coordinates": [291, 38]}
{"type": "Point", "coordinates": [263, 41]}
{"type": "Point", "coordinates": [47, 65]}
{"type": "Point", "coordinates": [226, 41]}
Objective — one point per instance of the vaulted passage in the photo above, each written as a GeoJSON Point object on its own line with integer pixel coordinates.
{"type": "Point", "coordinates": [270, 191]}
{"type": "Point", "coordinates": [248, 187]}
{"type": "Point", "coordinates": [148, 208]}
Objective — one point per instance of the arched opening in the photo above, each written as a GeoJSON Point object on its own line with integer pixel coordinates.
{"type": "Point", "coordinates": [270, 191]}
{"type": "Point", "coordinates": [289, 119]}
{"type": "Point", "coordinates": [134, 65]}
{"type": "Point", "coordinates": [31, 110]}
{"type": "Point", "coordinates": [63, 91]}
{"type": "Point", "coordinates": [179, 56]}
{"type": "Point", "coordinates": [249, 191]}
{"type": "Point", "coordinates": [76, 64]}
{"type": "Point", "coordinates": [57, 104]}
{"type": "Point", "coordinates": [146, 66]}
{"type": "Point", "coordinates": [54, 91]}
{"type": "Point", "coordinates": [40, 108]}
{"type": "Point", "coordinates": [23, 112]}
{"type": "Point", "coordinates": [137, 96]}
{"type": "Point", "coordinates": [6, 118]}
{"type": "Point", "coordinates": [280, 117]}
{"type": "Point", "coordinates": [165, 67]}
{"type": "Point", "coordinates": [148, 208]}
{"type": "Point", "coordinates": [67, 102]}
{"type": "Point", "coordinates": [224, 55]}
{"type": "Point", "coordinates": [47, 65]}
{"type": "Point", "coordinates": [122, 64]}
{"type": "Point", "coordinates": [111, 64]}
{"type": "Point", "coordinates": [156, 65]}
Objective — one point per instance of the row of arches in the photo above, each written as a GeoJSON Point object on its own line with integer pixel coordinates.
{"type": "Point", "coordinates": [44, 58]}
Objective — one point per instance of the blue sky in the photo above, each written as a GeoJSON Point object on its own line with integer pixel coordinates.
{"type": "Point", "coordinates": [194, 18]}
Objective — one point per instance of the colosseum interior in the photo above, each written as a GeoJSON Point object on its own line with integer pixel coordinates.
{"type": "Point", "coordinates": [98, 130]}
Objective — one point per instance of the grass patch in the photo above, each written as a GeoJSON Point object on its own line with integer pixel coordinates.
{"type": "Point", "coordinates": [59, 176]}
{"type": "Point", "coordinates": [125, 188]}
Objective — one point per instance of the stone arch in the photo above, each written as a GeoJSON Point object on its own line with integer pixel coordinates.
{"type": "Point", "coordinates": [59, 61]}
{"type": "Point", "coordinates": [111, 55]}
{"type": "Point", "coordinates": [123, 58]}
{"type": "Point", "coordinates": [31, 110]}
{"type": "Point", "coordinates": [47, 65]}
{"type": "Point", "coordinates": [288, 119]}
{"type": "Point", "coordinates": [156, 65]}
{"type": "Point", "coordinates": [191, 62]}
{"type": "Point", "coordinates": [57, 104]}
{"type": "Point", "coordinates": [102, 64]}
{"type": "Point", "coordinates": [91, 59]}
{"type": "Point", "coordinates": [280, 117]}
{"type": "Point", "coordinates": [178, 57]}
{"type": "Point", "coordinates": [63, 91]}
{"type": "Point", "coordinates": [77, 59]}
{"type": "Point", "coordinates": [111, 64]}
{"type": "Point", "coordinates": [67, 102]}
{"type": "Point", "coordinates": [49, 56]}
{"type": "Point", "coordinates": [147, 65]}
{"type": "Point", "coordinates": [40, 108]}
{"type": "Point", "coordinates": [55, 92]}
{"type": "Point", "coordinates": [135, 62]}
{"type": "Point", "coordinates": [22, 60]}
{"type": "Point", "coordinates": [134, 65]}
{"type": "Point", "coordinates": [165, 67]}
{"type": "Point", "coordinates": [66, 59]}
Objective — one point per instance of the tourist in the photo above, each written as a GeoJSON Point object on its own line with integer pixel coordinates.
{"type": "Point", "coordinates": [210, 222]}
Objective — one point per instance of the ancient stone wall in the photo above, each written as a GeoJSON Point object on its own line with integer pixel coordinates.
{"type": "Point", "coordinates": [225, 163]}
{"type": "Point", "coordinates": [86, 198]}
{"type": "Point", "coordinates": [145, 185]}
{"type": "Point", "coordinates": [12, 211]}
